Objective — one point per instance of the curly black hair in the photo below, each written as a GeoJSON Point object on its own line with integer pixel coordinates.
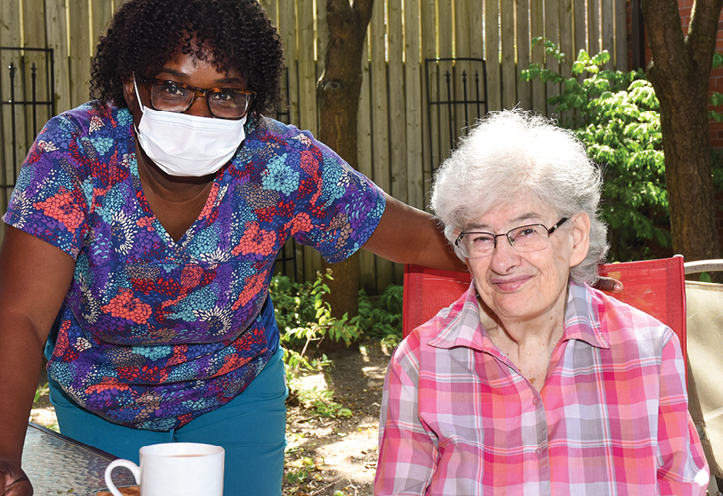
{"type": "Point", "coordinates": [232, 34]}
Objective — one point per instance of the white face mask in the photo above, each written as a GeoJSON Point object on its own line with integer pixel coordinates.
{"type": "Point", "coordinates": [187, 145]}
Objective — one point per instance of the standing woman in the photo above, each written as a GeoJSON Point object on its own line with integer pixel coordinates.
{"type": "Point", "coordinates": [148, 222]}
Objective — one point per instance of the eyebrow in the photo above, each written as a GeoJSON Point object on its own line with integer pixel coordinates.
{"type": "Point", "coordinates": [520, 218]}
{"type": "Point", "coordinates": [179, 74]}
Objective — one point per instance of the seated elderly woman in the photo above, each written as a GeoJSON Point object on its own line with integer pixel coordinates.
{"type": "Point", "coordinates": [533, 382]}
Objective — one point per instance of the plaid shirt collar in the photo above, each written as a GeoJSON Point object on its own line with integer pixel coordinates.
{"type": "Point", "coordinates": [465, 330]}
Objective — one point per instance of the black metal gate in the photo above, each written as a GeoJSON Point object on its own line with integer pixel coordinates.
{"type": "Point", "coordinates": [456, 98]}
{"type": "Point", "coordinates": [26, 103]}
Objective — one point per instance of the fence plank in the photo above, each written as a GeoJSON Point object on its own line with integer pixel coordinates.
{"type": "Point", "coordinates": [447, 134]}
{"type": "Point", "coordinates": [428, 50]}
{"type": "Point", "coordinates": [476, 30]}
{"type": "Point", "coordinates": [56, 29]}
{"type": "Point", "coordinates": [10, 116]}
{"type": "Point", "coordinates": [508, 80]}
{"type": "Point", "coordinates": [580, 23]}
{"type": "Point", "coordinates": [380, 128]}
{"type": "Point", "coordinates": [567, 40]}
{"type": "Point", "coordinates": [414, 105]}
{"type": "Point", "coordinates": [523, 43]}
{"type": "Point", "coordinates": [396, 96]}
{"type": "Point", "coordinates": [593, 17]}
{"type": "Point", "coordinates": [271, 9]}
{"type": "Point", "coordinates": [462, 31]}
{"type": "Point", "coordinates": [307, 65]}
{"type": "Point", "coordinates": [492, 56]}
{"type": "Point", "coordinates": [102, 11]}
{"type": "Point", "coordinates": [322, 37]}
{"type": "Point", "coordinates": [608, 31]}
{"type": "Point", "coordinates": [445, 28]}
{"type": "Point", "coordinates": [552, 33]}
{"type": "Point", "coordinates": [287, 30]}
{"type": "Point", "coordinates": [537, 29]}
{"type": "Point", "coordinates": [367, 261]}
{"type": "Point", "coordinates": [397, 113]}
{"type": "Point", "coordinates": [462, 75]}
{"type": "Point", "coordinates": [621, 37]}
{"type": "Point", "coordinates": [37, 83]}
{"type": "Point", "coordinates": [307, 98]}
{"type": "Point", "coordinates": [79, 51]}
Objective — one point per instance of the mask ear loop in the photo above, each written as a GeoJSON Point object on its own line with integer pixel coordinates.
{"type": "Point", "coordinates": [138, 95]}
{"type": "Point", "coordinates": [140, 105]}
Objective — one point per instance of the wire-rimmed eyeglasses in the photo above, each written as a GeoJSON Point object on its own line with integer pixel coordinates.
{"type": "Point", "coordinates": [223, 103]}
{"type": "Point", "coordinates": [532, 237]}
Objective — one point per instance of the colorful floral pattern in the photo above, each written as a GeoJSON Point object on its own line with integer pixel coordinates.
{"type": "Point", "coordinates": [156, 332]}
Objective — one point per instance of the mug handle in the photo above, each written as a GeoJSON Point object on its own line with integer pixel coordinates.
{"type": "Point", "coordinates": [120, 463]}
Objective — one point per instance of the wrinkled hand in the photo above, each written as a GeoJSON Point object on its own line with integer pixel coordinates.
{"type": "Point", "coordinates": [608, 284]}
{"type": "Point", "coordinates": [13, 481]}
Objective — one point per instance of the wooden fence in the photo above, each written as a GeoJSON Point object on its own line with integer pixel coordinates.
{"type": "Point", "coordinates": [403, 136]}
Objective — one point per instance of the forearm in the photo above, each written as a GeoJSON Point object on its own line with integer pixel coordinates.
{"type": "Point", "coordinates": [20, 366]}
{"type": "Point", "coordinates": [411, 236]}
{"type": "Point", "coordinates": [34, 279]}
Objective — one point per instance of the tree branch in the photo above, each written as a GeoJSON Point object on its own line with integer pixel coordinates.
{"type": "Point", "coordinates": [699, 44]}
{"type": "Point", "coordinates": [667, 37]}
{"type": "Point", "coordinates": [364, 8]}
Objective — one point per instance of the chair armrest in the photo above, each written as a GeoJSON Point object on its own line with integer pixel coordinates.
{"type": "Point", "coordinates": [699, 266]}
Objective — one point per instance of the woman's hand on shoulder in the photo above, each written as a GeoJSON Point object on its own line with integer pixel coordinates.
{"type": "Point", "coordinates": [608, 284]}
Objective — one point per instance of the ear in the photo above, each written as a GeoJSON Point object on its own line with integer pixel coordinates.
{"type": "Point", "coordinates": [580, 237]}
{"type": "Point", "coordinates": [129, 92]}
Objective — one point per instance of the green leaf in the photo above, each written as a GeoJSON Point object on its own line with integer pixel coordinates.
{"type": "Point", "coordinates": [717, 60]}
{"type": "Point", "coordinates": [601, 58]}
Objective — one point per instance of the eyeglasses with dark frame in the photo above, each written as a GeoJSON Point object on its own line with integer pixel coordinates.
{"type": "Point", "coordinates": [173, 96]}
{"type": "Point", "coordinates": [532, 237]}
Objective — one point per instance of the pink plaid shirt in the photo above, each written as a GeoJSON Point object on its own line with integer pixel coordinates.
{"type": "Point", "coordinates": [458, 418]}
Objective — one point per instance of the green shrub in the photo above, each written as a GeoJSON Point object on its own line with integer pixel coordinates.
{"type": "Point", "coordinates": [381, 318]}
{"type": "Point", "coordinates": [304, 318]}
{"type": "Point", "coordinates": [616, 115]}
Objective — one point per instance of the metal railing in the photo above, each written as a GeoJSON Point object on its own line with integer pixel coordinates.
{"type": "Point", "coordinates": [456, 98]}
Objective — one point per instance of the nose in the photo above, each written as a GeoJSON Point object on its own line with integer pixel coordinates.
{"type": "Point", "coordinates": [504, 256]}
{"type": "Point", "coordinates": [199, 106]}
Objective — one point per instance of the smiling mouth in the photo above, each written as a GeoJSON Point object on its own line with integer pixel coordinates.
{"type": "Point", "coordinates": [510, 285]}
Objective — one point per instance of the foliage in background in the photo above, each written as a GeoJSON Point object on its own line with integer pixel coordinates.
{"type": "Point", "coordinates": [304, 319]}
{"type": "Point", "coordinates": [381, 318]}
{"type": "Point", "coordinates": [616, 115]}
{"type": "Point", "coordinates": [716, 98]}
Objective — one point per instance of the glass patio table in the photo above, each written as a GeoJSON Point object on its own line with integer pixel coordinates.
{"type": "Point", "coordinates": [58, 465]}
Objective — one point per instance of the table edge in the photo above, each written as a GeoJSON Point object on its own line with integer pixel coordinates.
{"type": "Point", "coordinates": [69, 440]}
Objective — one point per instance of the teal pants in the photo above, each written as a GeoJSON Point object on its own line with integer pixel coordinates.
{"type": "Point", "coordinates": [250, 428]}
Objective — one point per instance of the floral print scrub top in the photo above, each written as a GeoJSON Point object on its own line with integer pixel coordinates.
{"type": "Point", "coordinates": [154, 333]}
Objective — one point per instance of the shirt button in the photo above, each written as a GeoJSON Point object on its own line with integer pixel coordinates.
{"type": "Point", "coordinates": [539, 452]}
{"type": "Point", "coordinates": [536, 401]}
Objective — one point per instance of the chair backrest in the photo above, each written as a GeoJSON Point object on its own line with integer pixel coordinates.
{"type": "Point", "coordinates": [704, 333]}
{"type": "Point", "coordinates": [654, 286]}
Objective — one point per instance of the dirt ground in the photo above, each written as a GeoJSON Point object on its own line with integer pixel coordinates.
{"type": "Point", "coordinates": [325, 456]}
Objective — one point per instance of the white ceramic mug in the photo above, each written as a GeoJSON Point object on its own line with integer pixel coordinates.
{"type": "Point", "coordinates": [177, 469]}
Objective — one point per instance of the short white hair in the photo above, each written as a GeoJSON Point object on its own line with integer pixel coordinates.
{"type": "Point", "coordinates": [513, 153]}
